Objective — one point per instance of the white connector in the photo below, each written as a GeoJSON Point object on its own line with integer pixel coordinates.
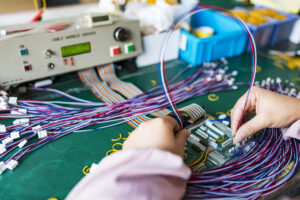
{"type": "Point", "coordinates": [212, 134]}
{"type": "Point", "coordinates": [42, 134]}
{"type": "Point", "coordinates": [22, 144]}
{"type": "Point", "coordinates": [2, 167]}
{"type": "Point", "coordinates": [219, 77]}
{"type": "Point", "coordinates": [226, 123]}
{"type": "Point", "coordinates": [226, 143]}
{"type": "Point", "coordinates": [278, 80]}
{"type": "Point", "coordinates": [203, 128]}
{"type": "Point", "coordinates": [223, 116]}
{"type": "Point", "coordinates": [202, 134]}
{"type": "Point", "coordinates": [230, 81]}
{"type": "Point", "coordinates": [3, 93]}
{"type": "Point", "coordinates": [2, 128]}
{"type": "Point", "coordinates": [2, 149]}
{"type": "Point", "coordinates": [221, 71]}
{"type": "Point", "coordinates": [208, 79]}
{"type": "Point", "coordinates": [234, 73]}
{"type": "Point", "coordinates": [195, 137]}
{"type": "Point", "coordinates": [210, 125]}
{"type": "Point", "coordinates": [13, 100]}
{"type": "Point", "coordinates": [20, 111]}
{"type": "Point", "coordinates": [11, 165]}
{"type": "Point", "coordinates": [36, 128]}
{"type": "Point", "coordinates": [7, 140]}
{"type": "Point", "coordinates": [23, 122]}
{"type": "Point", "coordinates": [235, 87]}
{"type": "Point", "coordinates": [15, 135]}
{"type": "Point", "coordinates": [3, 105]}
{"type": "Point", "coordinates": [213, 144]}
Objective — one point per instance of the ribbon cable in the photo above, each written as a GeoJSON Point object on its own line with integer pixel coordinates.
{"type": "Point", "coordinates": [102, 91]}
{"type": "Point", "coordinates": [128, 90]}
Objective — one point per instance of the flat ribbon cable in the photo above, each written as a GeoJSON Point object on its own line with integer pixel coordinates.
{"type": "Point", "coordinates": [128, 90]}
{"type": "Point", "coordinates": [102, 91]}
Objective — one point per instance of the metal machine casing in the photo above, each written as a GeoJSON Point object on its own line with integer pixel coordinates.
{"type": "Point", "coordinates": [44, 50]}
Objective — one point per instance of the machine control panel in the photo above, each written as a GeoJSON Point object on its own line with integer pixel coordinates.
{"type": "Point", "coordinates": [34, 55]}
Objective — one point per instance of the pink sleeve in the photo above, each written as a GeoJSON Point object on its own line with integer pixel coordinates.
{"type": "Point", "coordinates": [292, 132]}
{"type": "Point", "coordinates": [135, 174]}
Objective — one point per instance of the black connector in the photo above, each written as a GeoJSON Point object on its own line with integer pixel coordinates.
{"type": "Point", "coordinates": [185, 118]}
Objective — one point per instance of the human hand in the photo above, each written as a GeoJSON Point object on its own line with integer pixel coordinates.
{"type": "Point", "coordinates": [163, 133]}
{"type": "Point", "coordinates": [271, 110]}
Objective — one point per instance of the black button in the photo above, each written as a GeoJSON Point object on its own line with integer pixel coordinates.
{"type": "Point", "coordinates": [122, 34]}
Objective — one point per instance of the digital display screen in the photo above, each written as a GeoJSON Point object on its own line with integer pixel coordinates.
{"type": "Point", "coordinates": [101, 18]}
{"type": "Point", "coordinates": [76, 49]}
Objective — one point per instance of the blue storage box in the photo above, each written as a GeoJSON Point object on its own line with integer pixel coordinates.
{"type": "Point", "coordinates": [272, 32]}
{"type": "Point", "coordinates": [228, 40]}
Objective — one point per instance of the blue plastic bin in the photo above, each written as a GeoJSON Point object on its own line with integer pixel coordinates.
{"type": "Point", "coordinates": [229, 39]}
{"type": "Point", "coordinates": [272, 32]}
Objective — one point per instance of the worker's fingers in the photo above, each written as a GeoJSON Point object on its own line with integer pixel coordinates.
{"type": "Point", "coordinates": [236, 113]}
{"type": "Point", "coordinates": [249, 128]}
{"type": "Point", "coordinates": [173, 122]}
{"type": "Point", "coordinates": [181, 137]}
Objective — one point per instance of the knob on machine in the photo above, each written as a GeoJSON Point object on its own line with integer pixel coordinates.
{"type": "Point", "coordinates": [122, 34]}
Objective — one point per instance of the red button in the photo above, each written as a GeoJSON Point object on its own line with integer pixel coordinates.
{"type": "Point", "coordinates": [115, 51]}
{"type": "Point", "coordinates": [27, 68]}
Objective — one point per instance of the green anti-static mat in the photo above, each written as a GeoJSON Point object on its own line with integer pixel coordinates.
{"type": "Point", "coordinates": [55, 168]}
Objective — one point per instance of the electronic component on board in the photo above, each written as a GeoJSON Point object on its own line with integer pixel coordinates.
{"type": "Point", "coordinates": [210, 125]}
{"type": "Point", "coordinates": [201, 133]}
{"type": "Point", "coordinates": [196, 143]}
{"type": "Point", "coordinates": [223, 128]}
{"type": "Point", "coordinates": [212, 134]}
{"type": "Point", "coordinates": [226, 143]}
{"type": "Point", "coordinates": [214, 156]}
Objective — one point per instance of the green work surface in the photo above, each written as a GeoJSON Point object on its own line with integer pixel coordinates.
{"type": "Point", "coordinates": [54, 169]}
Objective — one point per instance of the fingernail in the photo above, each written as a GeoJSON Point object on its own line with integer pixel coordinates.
{"type": "Point", "coordinates": [238, 138]}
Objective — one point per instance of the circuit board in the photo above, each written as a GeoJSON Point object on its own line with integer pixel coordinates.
{"type": "Point", "coordinates": [210, 144]}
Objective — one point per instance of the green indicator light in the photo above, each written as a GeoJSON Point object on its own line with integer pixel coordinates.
{"type": "Point", "coordinates": [130, 48]}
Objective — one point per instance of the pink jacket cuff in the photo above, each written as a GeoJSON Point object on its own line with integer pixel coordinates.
{"type": "Point", "coordinates": [292, 132]}
{"type": "Point", "coordinates": [135, 174]}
